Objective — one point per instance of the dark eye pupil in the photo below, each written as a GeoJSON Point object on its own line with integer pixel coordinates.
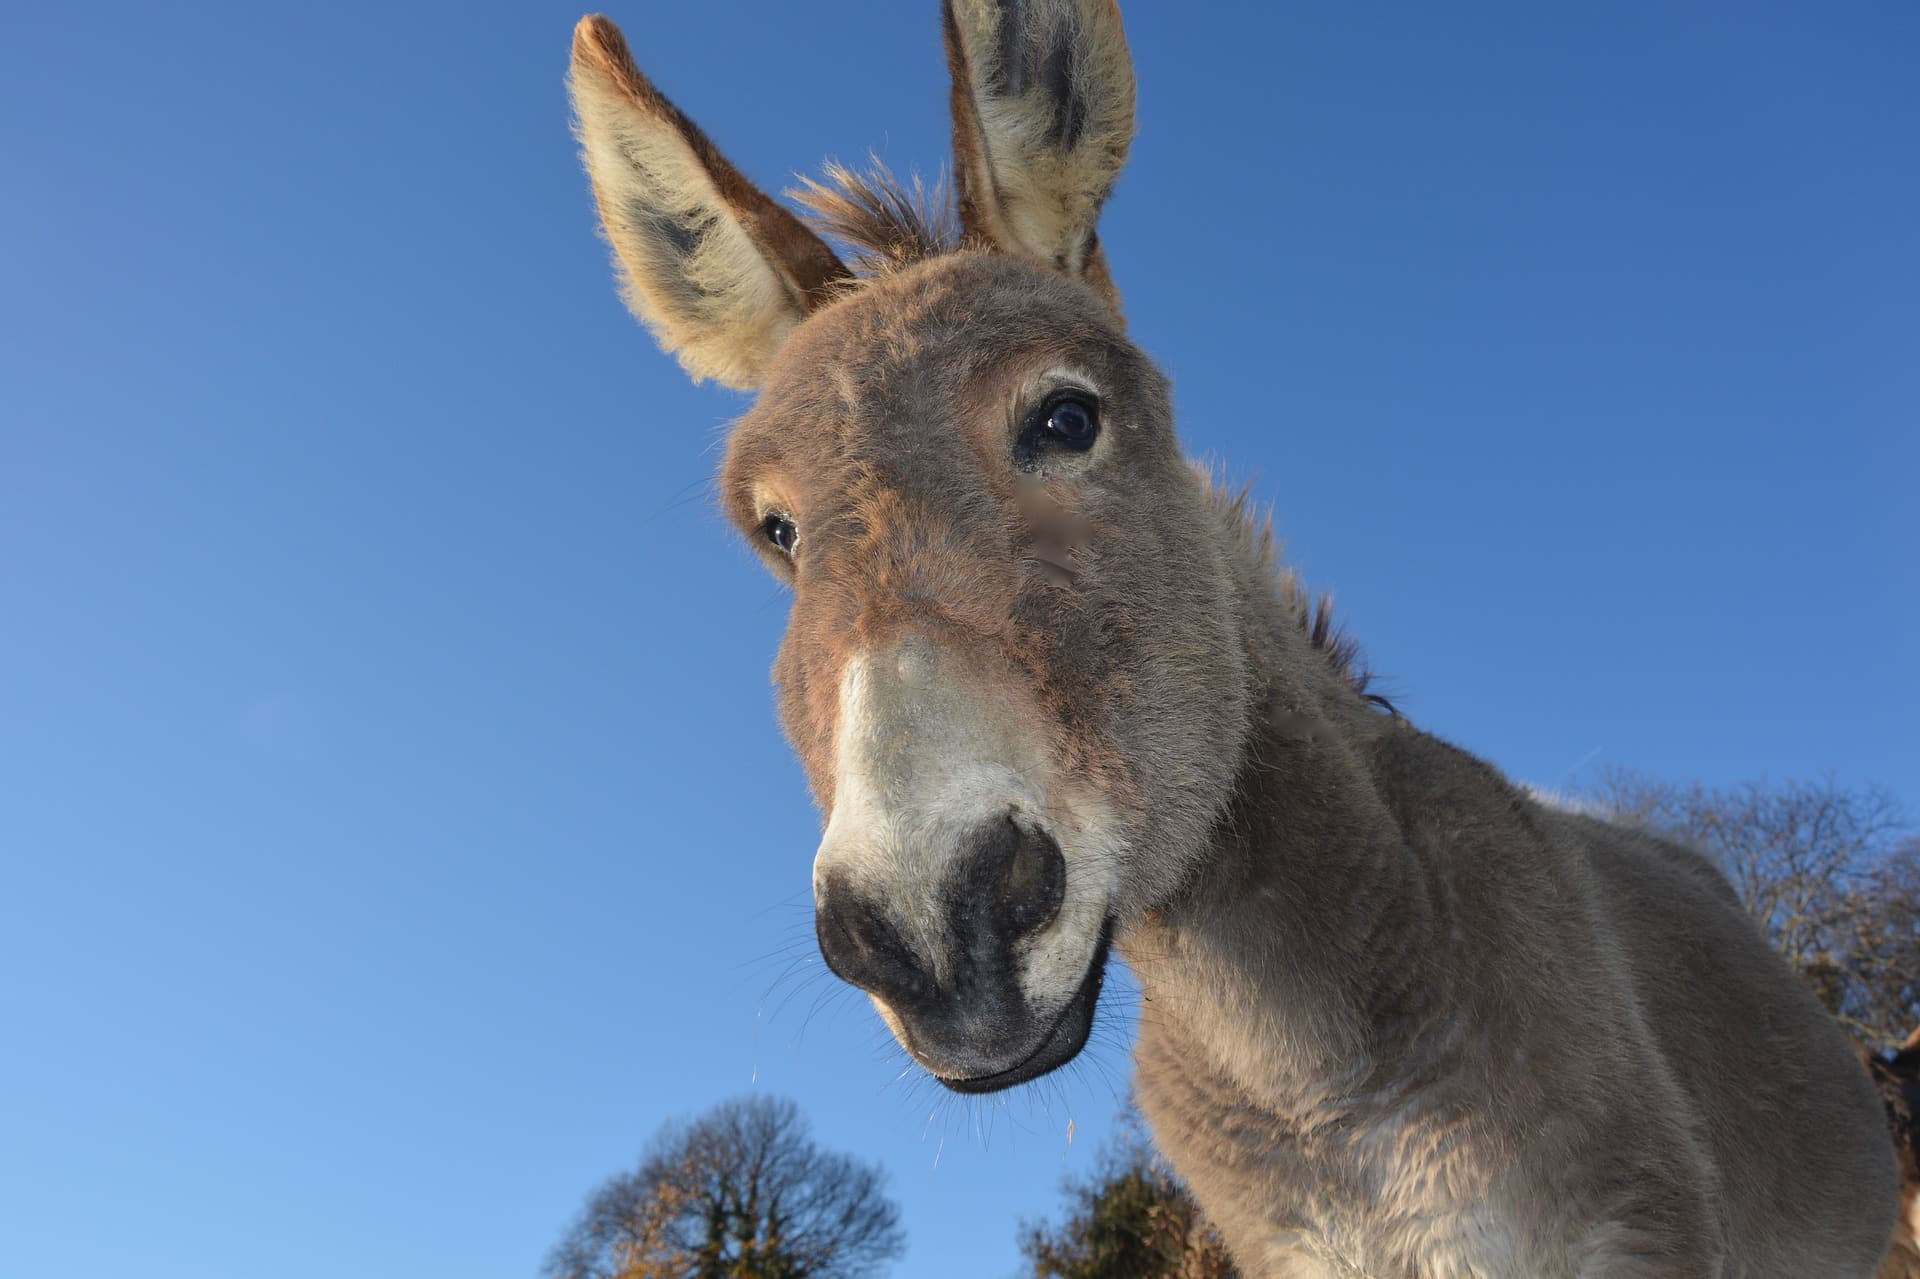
{"type": "Point", "coordinates": [780, 532]}
{"type": "Point", "coordinates": [1073, 422]}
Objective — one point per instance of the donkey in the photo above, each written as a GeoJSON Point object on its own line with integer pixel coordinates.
{"type": "Point", "coordinates": [1056, 698]}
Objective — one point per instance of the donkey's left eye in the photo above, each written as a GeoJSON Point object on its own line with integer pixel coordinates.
{"type": "Point", "coordinates": [779, 530]}
{"type": "Point", "coordinates": [1073, 422]}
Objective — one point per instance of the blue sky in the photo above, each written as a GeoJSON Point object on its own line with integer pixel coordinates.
{"type": "Point", "coordinates": [393, 824]}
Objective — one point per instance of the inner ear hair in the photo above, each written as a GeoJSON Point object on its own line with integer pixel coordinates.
{"type": "Point", "coordinates": [709, 262]}
{"type": "Point", "coordinates": [1042, 100]}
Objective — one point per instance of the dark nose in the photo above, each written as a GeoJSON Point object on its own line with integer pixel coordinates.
{"type": "Point", "coordinates": [1007, 885]}
{"type": "Point", "coordinates": [1017, 874]}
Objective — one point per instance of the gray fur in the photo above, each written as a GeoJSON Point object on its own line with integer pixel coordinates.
{"type": "Point", "coordinates": [1408, 1022]}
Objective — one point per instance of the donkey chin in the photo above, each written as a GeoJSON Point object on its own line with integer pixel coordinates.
{"type": "Point", "coordinates": [1062, 1037]}
{"type": "Point", "coordinates": [958, 883]}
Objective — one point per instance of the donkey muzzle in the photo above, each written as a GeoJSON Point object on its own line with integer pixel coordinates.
{"type": "Point", "coordinates": [953, 991]}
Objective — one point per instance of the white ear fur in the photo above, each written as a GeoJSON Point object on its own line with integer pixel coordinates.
{"type": "Point", "coordinates": [1043, 98]}
{"type": "Point", "coordinates": [716, 269]}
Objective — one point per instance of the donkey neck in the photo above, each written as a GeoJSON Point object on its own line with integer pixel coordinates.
{"type": "Point", "coordinates": [1295, 954]}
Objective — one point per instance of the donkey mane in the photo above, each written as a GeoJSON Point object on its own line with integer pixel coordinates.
{"type": "Point", "coordinates": [1311, 614]}
{"type": "Point", "coordinates": [881, 224]}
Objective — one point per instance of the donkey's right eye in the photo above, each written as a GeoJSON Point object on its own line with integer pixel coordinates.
{"type": "Point", "coordinates": [1073, 422]}
{"type": "Point", "coordinates": [779, 530]}
{"type": "Point", "coordinates": [1066, 420]}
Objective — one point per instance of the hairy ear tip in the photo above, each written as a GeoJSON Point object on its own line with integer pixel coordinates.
{"type": "Point", "coordinates": [599, 46]}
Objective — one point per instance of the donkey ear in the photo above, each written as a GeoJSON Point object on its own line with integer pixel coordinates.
{"type": "Point", "coordinates": [1042, 119]}
{"type": "Point", "coordinates": [708, 261]}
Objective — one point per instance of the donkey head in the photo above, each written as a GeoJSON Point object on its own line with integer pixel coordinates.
{"type": "Point", "coordinates": [1014, 668]}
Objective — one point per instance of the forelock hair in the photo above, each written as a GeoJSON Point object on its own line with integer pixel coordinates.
{"type": "Point", "coordinates": [879, 223]}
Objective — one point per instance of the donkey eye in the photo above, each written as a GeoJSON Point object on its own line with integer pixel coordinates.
{"type": "Point", "coordinates": [1073, 422]}
{"type": "Point", "coordinates": [779, 530]}
{"type": "Point", "coordinates": [1068, 420]}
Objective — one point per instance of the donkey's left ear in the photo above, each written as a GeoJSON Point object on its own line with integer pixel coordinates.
{"type": "Point", "coordinates": [1042, 119]}
{"type": "Point", "coordinates": [711, 264]}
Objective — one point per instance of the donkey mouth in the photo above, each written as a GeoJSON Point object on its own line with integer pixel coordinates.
{"type": "Point", "coordinates": [1062, 1043]}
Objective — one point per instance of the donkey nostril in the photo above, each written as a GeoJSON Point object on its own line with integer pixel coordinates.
{"type": "Point", "coordinates": [1035, 883]}
{"type": "Point", "coordinates": [1026, 873]}
{"type": "Point", "coordinates": [861, 946]}
{"type": "Point", "coordinates": [844, 941]}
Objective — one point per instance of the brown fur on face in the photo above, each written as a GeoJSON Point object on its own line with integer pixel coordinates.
{"type": "Point", "coordinates": [887, 434]}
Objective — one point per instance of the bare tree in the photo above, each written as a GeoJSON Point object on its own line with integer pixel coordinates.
{"type": "Point", "coordinates": [1825, 871]}
{"type": "Point", "coordinates": [742, 1192]}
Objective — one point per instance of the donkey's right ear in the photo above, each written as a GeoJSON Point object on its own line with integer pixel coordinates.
{"type": "Point", "coordinates": [708, 261]}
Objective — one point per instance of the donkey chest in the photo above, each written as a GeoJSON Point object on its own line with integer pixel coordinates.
{"type": "Point", "coordinates": [1404, 1193]}
{"type": "Point", "coordinates": [1384, 1219]}
{"type": "Point", "coordinates": [1348, 1240]}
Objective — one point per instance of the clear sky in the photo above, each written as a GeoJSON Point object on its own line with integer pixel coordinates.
{"type": "Point", "coordinates": [394, 828]}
